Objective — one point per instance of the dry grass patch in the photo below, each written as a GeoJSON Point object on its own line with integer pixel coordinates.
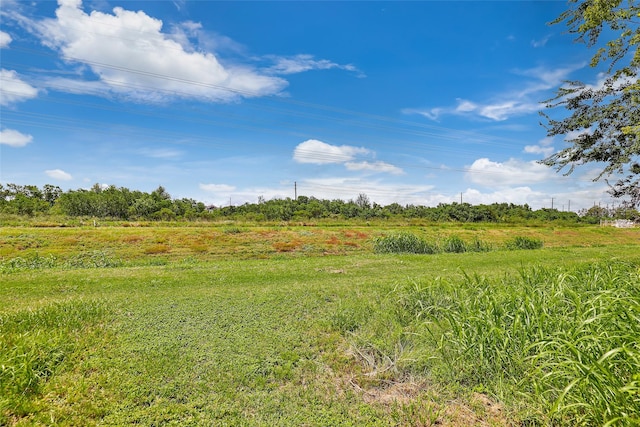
{"type": "Point", "coordinates": [159, 248]}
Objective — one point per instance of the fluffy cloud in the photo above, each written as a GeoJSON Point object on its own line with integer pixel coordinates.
{"type": "Point", "coordinates": [13, 138]}
{"type": "Point", "coordinates": [14, 89]}
{"type": "Point", "coordinates": [130, 54]}
{"type": "Point", "coordinates": [512, 172]}
{"type": "Point", "coordinates": [5, 39]}
{"type": "Point", "coordinates": [58, 174]}
{"type": "Point", "coordinates": [320, 153]}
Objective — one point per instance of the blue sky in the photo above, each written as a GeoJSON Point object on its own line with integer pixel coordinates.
{"type": "Point", "coordinates": [225, 102]}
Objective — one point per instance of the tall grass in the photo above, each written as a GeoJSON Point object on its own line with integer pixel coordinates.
{"type": "Point", "coordinates": [404, 243]}
{"type": "Point", "coordinates": [410, 243]}
{"type": "Point", "coordinates": [33, 346]}
{"type": "Point", "coordinates": [563, 345]}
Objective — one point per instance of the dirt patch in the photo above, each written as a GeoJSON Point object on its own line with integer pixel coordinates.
{"type": "Point", "coordinates": [479, 411]}
{"type": "Point", "coordinates": [390, 392]}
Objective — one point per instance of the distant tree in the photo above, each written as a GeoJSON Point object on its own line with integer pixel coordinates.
{"type": "Point", "coordinates": [605, 117]}
{"type": "Point", "coordinates": [363, 201]}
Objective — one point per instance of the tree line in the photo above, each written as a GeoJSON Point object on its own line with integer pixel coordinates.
{"type": "Point", "coordinates": [121, 203]}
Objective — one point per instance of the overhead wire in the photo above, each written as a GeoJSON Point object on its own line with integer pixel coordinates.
{"type": "Point", "coordinates": [380, 123]}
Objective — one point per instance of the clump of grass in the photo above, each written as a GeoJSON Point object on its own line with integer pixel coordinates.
{"type": "Point", "coordinates": [232, 230]}
{"type": "Point", "coordinates": [521, 242]}
{"type": "Point", "coordinates": [454, 244]}
{"type": "Point", "coordinates": [33, 346]}
{"type": "Point", "coordinates": [404, 243]}
{"type": "Point", "coordinates": [31, 262]}
{"type": "Point", "coordinates": [566, 340]}
{"type": "Point", "coordinates": [93, 259]}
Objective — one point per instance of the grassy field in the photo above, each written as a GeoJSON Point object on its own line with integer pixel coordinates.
{"type": "Point", "coordinates": [245, 324]}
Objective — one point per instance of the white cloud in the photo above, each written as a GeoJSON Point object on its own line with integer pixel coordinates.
{"type": "Point", "coordinates": [501, 107]}
{"type": "Point", "coordinates": [512, 172]}
{"type": "Point", "coordinates": [161, 153]}
{"type": "Point", "coordinates": [302, 62]}
{"type": "Point", "coordinates": [13, 138]}
{"type": "Point", "coordinates": [544, 147]}
{"type": "Point", "coordinates": [515, 195]}
{"type": "Point", "coordinates": [5, 39]}
{"type": "Point", "coordinates": [540, 42]}
{"type": "Point", "coordinates": [378, 190]}
{"type": "Point", "coordinates": [13, 89]}
{"type": "Point", "coordinates": [320, 153]}
{"type": "Point", "coordinates": [217, 188]}
{"type": "Point", "coordinates": [374, 167]}
{"type": "Point", "coordinates": [58, 174]}
{"type": "Point", "coordinates": [129, 53]}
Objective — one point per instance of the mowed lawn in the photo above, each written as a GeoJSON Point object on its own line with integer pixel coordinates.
{"type": "Point", "coordinates": [235, 339]}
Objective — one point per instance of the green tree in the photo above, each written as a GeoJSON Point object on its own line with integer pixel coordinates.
{"type": "Point", "coordinates": [605, 117]}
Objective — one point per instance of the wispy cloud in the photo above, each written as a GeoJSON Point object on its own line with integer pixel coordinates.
{"type": "Point", "coordinates": [14, 138]}
{"type": "Point", "coordinates": [523, 101]}
{"type": "Point", "coordinates": [217, 188]}
{"type": "Point", "coordinates": [161, 153]}
{"type": "Point", "coordinates": [374, 167]}
{"type": "Point", "coordinates": [541, 42]}
{"type": "Point", "coordinates": [544, 147]}
{"type": "Point", "coordinates": [303, 62]}
{"type": "Point", "coordinates": [58, 174]}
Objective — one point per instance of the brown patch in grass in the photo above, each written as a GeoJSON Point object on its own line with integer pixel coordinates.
{"type": "Point", "coordinates": [479, 411]}
{"type": "Point", "coordinates": [157, 249]}
{"type": "Point", "coordinates": [286, 246]}
{"type": "Point", "coordinates": [199, 247]}
{"type": "Point", "coordinates": [333, 240]}
{"type": "Point", "coordinates": [132, 239]}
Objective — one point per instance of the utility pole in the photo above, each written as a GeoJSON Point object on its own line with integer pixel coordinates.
{"type": "Point", "coordinates": [569, 206]}
{"type": "Point", "coordinates": [460, 198]}
{"type": "Point", "coordinates": [295, 190]}
{"type": "Point", "coordinates": [552, 203]}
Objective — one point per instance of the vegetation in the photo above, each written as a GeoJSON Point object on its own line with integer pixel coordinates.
{"type": "Point", "coordinates": [565, 339]}
{"type": "Point", "coordinates": [606, 116]}
{"type": "Point", "coordinates": [124, 204]}
{"type": "Point", "coordinates": [252, 322]}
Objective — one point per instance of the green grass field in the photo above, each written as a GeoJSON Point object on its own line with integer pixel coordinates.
{"type": "Point", "coordinates": [245, 324]}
